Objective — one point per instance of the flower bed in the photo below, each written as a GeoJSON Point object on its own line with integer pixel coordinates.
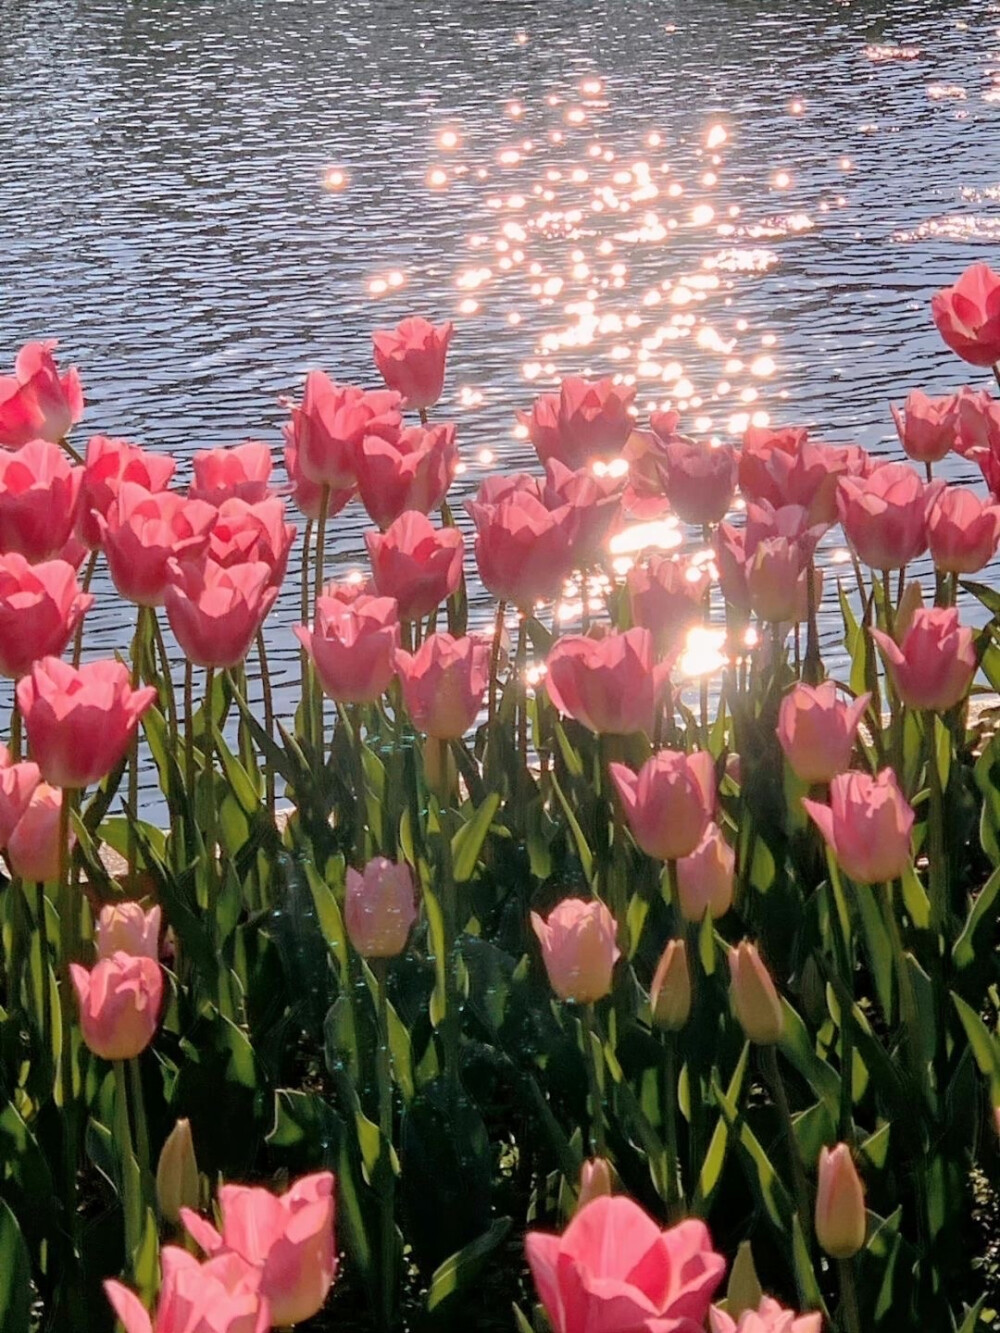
{"type": "Point", "coordinates": [552, 998]}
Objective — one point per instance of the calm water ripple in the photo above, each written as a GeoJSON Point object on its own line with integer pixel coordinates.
{"type": "Point", "coordinates": [204, 198]}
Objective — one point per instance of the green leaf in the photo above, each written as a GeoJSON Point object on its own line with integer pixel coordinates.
{"type": "Point", "coordinates": [711, 1168]}
{"type": "Point", "coordinates": [582, 849]}
{"type": "Point", "coordinates": [798, 1049]}
{"type": "Point", "coordinates": [468, 841]}
{"type": "Point", "coordinates": [983, 1043]}
{"type": "Point", "coordinates": [460, 1270]}
{"type": "Point", "coordinates": [982, 916]}
{"type": "Point", "coordinates": [15, 1275]}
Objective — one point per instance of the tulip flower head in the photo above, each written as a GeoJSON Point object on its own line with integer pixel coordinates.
{"type": "Point", "coordinates": [611, 685]}
{"type": "Point", "coordinates": [242, 472]}
{"type": "Point", "coordinates": [415, 562]}
{"type": "Point", "coordinates": [769, 1317]}
{"type": "Point", "coordinates": [126, 928]}
{"type": "Point", "coordinates": [867, 825]}
{"type": "Point", "coordinates": [962, 531]}
{"type": "Point", "coordinates": [108, 463]}
{"type": "Point", "coordinates": [39, 500]}
{"type": "Point", "coordinates": [755, 1000]}
{"type": "Point", "coordinates": [119, 1002]}
{"type": "Point", "coordinates": [220, 1296]}
{"type": "Point", "coordinates": [411, 359]}
{"type": "Point", "coordinates": [670, 993]}
{"type": "Point", "coordinates": [352, 646]}
{"type": "Point", "coordinates": [587, 419]}
{"type": "Point", "coordinates": [669, 802]}
{"type": "Point", "coordinates": [146, 530]}
{"type": "Point", "coordinates": [613, 1268]}
{"type": "Point", "coordinates": [80, 721]}
{"type": "Point", "coordinates": [595, 1181]}
{"type": "Point", "coordinates": [840, 1204]}
{"type": "Point", "coordinates": [40, 608]}
{"type": "Point", "coordinates": [36, 402]}
{"type": "Point", "coordinates": [578, 948]}
{"type": "Point", "coordinates": [328, 426]}
{"type": "Point", "coordinates": [817, 731]}
{"type": "Point", "coordinates": [967, 315]}
{"type": "Point", "coordinates": [705, 877]}
{"type": "Point", "coordinates": [410, 470]}
{"type": "Point", "coordinates": [178, 1184]}
{"type": "Point", "coordinates": [884, 516]}
{"type": "Point", "coordinates": [289, 1238]}
{"type": "Point", "coordinates": [380, 909]}
{"type": "Point", "coordinates": [215, 612]}
{"type": "Point", "coordinates": [934, 664]}
{"type": "Point", "coordinates": [32, 845]}
{"type": "Point", "coordinates": [444, 683]}
{"type": "Point", "coordinates": [927, 427]}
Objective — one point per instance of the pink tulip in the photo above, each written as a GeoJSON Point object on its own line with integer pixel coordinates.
{"type": "Point", "coordinates": [769, 1317]}
{"type": "Point", "coordinates": [611, 685]}
{"type": "Point", "coordinates": [352, 645]}
{"type": "Point", "coordinates": [307, 495]}
{"type": "Point", "coordinates": [80, 722]}
{"type": "Point", "coordinates": [126, 928]}
{"type": "Point", "coordinates": [817, 731]}
{"type": "Point", "coordinates": [242, 472]}
{"type": "Point", "coordinates": [978, 429]}
{"type": "Point", "coordinates": [705, 877]}
{"type": "Point", "coordinates": [962, 531]}
{"type": "Point", "coordinates": [525, 540]}
{"type": "Point", "coordinates": [764, 567]}
{"type": "Point", "coordinates": [410, 470]}
{"type": "Point", "coordinates": [614, 1271]}
{"type": "Point", "coordinates": [36, 402]}
{"type": "Point", "coordinates": [587, 419]}
{"type": "Point", "coordinates": [39, 495]}
{"type": "Point", "coordinates": [109, 462]}
{"type": "Point", "coordinates": [119, 1002]}
{"type": "Point", "coordinates": [146, 530]}
{"type": "Point", "coordinates": [699, 479]}
{"type": "Point", "coordinates": [411, 359]}
{"type": "Point", "coordinates": [33, 845]}
{"type": "Point", "coordinates": [245, 533]}
{"type": "Point", "coordinates": [927, 427]}
{"type": "Point", "coordinates": [667, 596]}
{"type": "Point", "coordinates": [415, 562]}
{"type": "Point", "coordinates": [754, 998]}
{"type": "Point", "coordinates": [215, 612]}
{"type": "Point", "coordinates": [884, 516]}
{"type": "Point", "coordinates": [669, 802]}
{"type": "Point", "coordinates": [17, 782]}
{"type": "Point", "coordinates": [288, 1237]}
{"type": "Point", "coordinates": [867, 825]}
{"type": "Point", "coordinates": [595, 500]}
{"type": "Point", "coordinates": [443, 683]}
{"type": "Point", "coordinates": [934, 665]}
{"type": "Point", "coordinates": [784, 467]}
{"type": "Point", "coordinates": [40, 608]}
{"type": "Point", "coordinates": [328, 427]}
{"type": "Point", "coordinates": [379, 909]}
{"type": "Point", "coordinates": [578, 948]}
{"type": "Point", "coordinates": [840, 1204]}
{"type": "Point", "coordinates": [670, 993]}
{"type": "Point", "coordinates": [220, 1296]}
{"type": "Point", "coordinates": [967, 315]}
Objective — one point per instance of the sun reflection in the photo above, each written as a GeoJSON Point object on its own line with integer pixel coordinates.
{"type": "Point", "coordinates": [703, 653]}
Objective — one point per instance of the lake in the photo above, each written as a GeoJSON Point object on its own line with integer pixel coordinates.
{"type": "Point", "coordinates": [746, 206]}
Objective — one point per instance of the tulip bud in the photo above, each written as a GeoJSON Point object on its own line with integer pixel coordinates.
{"type": "Point", "coordinates": [755, 1001]}
{"type": "Point", "coordinates": [705, 878]}
{"type": "Point", "coordinates": [595, 1181]}
{"type": "Point", "coordinates": [177, 1182]}
{"type": "Point", "coordinates": [670, 993]}
{"type": "Point", "coordinates": [840, 1204]}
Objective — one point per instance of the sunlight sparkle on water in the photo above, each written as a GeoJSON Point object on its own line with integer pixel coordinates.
{"type": "Point", "coordinates": [703, 653]}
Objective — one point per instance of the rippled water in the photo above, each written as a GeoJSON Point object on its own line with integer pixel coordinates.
{"type": "Point", "coordinates": [745, 205]}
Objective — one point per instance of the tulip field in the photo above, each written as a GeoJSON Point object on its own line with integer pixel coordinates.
{"type": "Point", "coordinates": [525, 978]}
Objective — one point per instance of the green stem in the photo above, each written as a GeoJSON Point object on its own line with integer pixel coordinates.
{"type": "Point", "coordinates": [139, 1112]}
{"type": "Point", "coordinates": [909, 1014]}
{"type": "Point", "coordinates": [210, 811]}
{"type": "Point", "coordinates": [88, 578]}
{"type": "Point", "coordinates": [169, 698]}
{"type": "Point", "coordinates": [132, 1200]}
{"type": "Point", "coordinates": [387, 1199]}
{"type": "Point", "coordinates": [45, 998]}
{"type": "Point", "coordinates": [318, 576]}
{"type": "Point", "coordinates": [521, 687]}
{"type": "Point", "coordinates": [769, 1057]}
{"type": "Point", "coordinates": [67, 949]}
{"type": "Point", "coordinates": [451, 1025]}
{"type": "Point", "coordinates": [849, 1296]}
{"type": "Point", "coordinates": [592, 1044]}
{"type": "Point", "coordinates": [937, 860]}
{"type": "Point", "coordinates": [133, 753]}
{"type": "Point", "coordinates": [305, 668]}
{"type": "Point", "coordinates": [491, 697]}
{"type": "Point", "coordinates": [267, 695]}
{"type": "Point", "coordinates": [675, 1192]}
